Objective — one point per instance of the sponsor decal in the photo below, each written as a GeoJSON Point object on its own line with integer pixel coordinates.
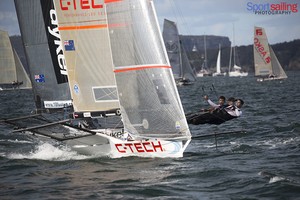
{"type": "Point", "coordinates": [139, 147]}
{"type": "Point", "coordinates": [83, 4]}
{"type": "Point", "coordinates": [57, 104]}
{"type": "Point", "coordinates": [76, 89]}
{"type": "Point", "coordinates": [80, 4]}
{"type": "Point", "coordinates": [54, 41]}
{"type": "Point", "coordinates": [171, 47]}
{"type": "Point", "coordinates": [260, 48]}
{"type": "Point", "coordinates": [177, 125]}
{"type": "Point", "coordinates": [69, 45]}
{"type": "Point", "coordinates": [39, 78]}
{"type": "Point", "coordinates": [282, 8]}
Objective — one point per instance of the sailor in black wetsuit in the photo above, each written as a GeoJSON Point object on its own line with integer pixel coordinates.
{"type": "Point", "coordinates": [220, 113]}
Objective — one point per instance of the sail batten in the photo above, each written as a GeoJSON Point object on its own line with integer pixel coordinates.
{"type": "Point", "coordinates": [138, 67]}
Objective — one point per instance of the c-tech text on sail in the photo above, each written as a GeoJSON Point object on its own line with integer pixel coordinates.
{"type": "Point", "coordinates": [82, 4]}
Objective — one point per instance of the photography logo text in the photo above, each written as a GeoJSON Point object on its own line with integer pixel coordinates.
{"type": "Point", "coordinates": [281, 8]}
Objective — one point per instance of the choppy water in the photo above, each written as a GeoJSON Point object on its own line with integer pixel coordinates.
{"type": "Point", "coordinates": [263, 163]}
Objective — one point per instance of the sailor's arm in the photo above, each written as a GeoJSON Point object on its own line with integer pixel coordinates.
{"type": "Point", "coordinates": [212, 104]}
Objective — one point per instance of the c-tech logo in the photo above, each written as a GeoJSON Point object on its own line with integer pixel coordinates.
{"type": "Point", "coordinates": [281, 8]}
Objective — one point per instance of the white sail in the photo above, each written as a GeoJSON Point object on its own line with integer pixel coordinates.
{"type": "Point", "coordinates": [218, 65]}
{"type": "Point", "coordinates": [266, 64]}
{"type": "Point", "coordinates": [22, 75]}
{"type": "Point", "coordinates": [13, 74]}
{"type": "Point", "coordinates": [84, 32]}
{"type": "Point", "coordinates": [219, 62]}
{"type": "Point", "coordinates": [276, 66]}
{"type": "Point", "coordinates": [150, 104]}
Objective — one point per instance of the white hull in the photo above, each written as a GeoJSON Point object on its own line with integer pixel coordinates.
{"type": "Point", "coordinates": [102, 144]}
{"type": "Point", "coordinates": [237, 74]}
{"type": "Point", "coordinates": [270, 79]}
{"type": "Point", "coordinates": [219, 74]}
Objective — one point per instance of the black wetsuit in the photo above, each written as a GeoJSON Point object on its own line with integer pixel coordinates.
{"type": "Point", "coordinates": [217, 117]}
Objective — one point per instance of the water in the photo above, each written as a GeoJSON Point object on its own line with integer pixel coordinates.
{"type": "Point", "coordinates": [262, 163]}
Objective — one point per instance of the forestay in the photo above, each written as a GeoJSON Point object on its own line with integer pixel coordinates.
{"type": "Point", "coordinates": [149, 99]}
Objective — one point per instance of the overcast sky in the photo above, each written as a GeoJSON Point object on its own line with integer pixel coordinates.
{"type": "Point", "coordinates": [210, 17]}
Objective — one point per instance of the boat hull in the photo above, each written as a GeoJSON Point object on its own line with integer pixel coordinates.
{"type": "Point", "coordinates": [237, 74]}
{"type": "Point", "coordinates": [269, 79]}
{"type": "Point", "coordinates": [102, 144]}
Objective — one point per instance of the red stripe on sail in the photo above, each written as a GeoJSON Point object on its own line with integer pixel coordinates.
{"type": "Point", "coordinates": [98, 26]}
{"type": "Point", "coordinates": [111, 1]}
{"type": "Point", "coordinates": [141, 68]}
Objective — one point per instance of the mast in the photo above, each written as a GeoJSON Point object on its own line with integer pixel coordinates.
{"type": "Point", "coordinates": [205, 53]}
{"type": "Point", "coordinates": [234, 63]}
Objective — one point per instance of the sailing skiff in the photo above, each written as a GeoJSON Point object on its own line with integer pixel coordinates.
{"type": "Point", "coordinates": [114, 70]}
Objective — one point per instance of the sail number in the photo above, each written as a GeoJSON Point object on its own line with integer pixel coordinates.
{"type": "Point", "coordinates": [141, 147]}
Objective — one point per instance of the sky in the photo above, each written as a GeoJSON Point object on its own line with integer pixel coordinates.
{"type": "Point", "coordinates": [231, 18]}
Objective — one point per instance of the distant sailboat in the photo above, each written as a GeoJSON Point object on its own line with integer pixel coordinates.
{"type": "Point", "coordinates": [237, 70]}
{"type": "Point", "coordinates": [266, 64]}
{"type": "Point", "coordinates": [13, 74]}
{"type": "Point", "coordinates": [181, 67]}
{"type": "Point", "coordinates": [204, 71]}
{"type": "Point", "coordinates": [130, 75]}
{"type": "Point", "coordinates": [218, 65]}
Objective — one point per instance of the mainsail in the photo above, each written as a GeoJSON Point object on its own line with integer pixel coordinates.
{"type": "Point", "coordinates": [41, 39]}
{"type": "Point", "coordinates": [265, 61]}
{"type": "Point", "coordinates": [218, 65]}
{"type": "Point", "coordinates": [150, 104]}
{"type": "Point", "coordinates": [13, 74]}
{"type": "Point", "coordinates": [219, 61]}
{"type": "Point", "coordinates": [84, 33]}
{"type": "Point", "coordinates": [181, 66]}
